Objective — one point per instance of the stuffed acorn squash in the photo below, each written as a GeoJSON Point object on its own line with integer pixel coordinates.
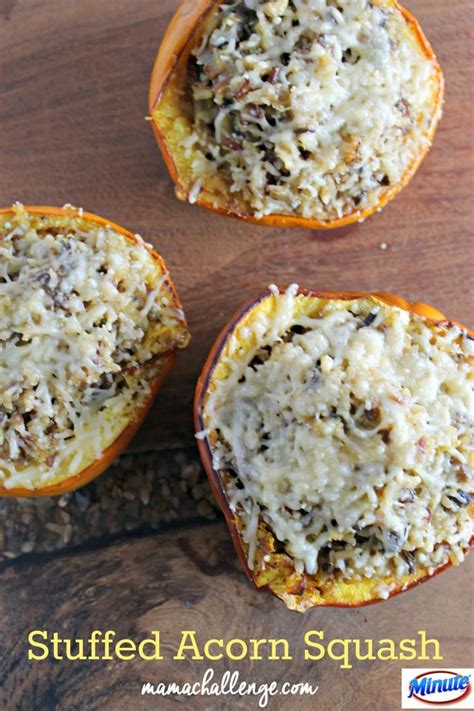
{"type": "Point", "coordinates": [337, 431]}
{"type": "Point", "coordinates": [309, 113]}
{"type": "Point", "coordinates": [89, 327]}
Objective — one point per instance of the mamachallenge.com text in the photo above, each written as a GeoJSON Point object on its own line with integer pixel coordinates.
{"type": "Point", "coordinates": [228, 685]}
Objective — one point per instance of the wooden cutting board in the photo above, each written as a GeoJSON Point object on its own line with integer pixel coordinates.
{"type": "Point", "coordinates": [74, 80]}
{"type": "Point", "coordinates": [190, 580]}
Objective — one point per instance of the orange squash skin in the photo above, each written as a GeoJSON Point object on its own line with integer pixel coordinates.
{"type": "Point", "coordinates": [110, 454]}
{"type": "Point", "coordinates": [218, 489]}
{"type": "Point", "coordinates": [177, 43]}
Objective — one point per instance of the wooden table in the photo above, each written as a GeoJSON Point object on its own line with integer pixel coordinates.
{"type": "Point", "coordinates": [190, 580]}
{"type": "Point", "coordinates": [74, 79]}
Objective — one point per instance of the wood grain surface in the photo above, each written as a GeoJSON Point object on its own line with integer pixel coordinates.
{"type": "Point", "coordinates": [74, 81]}
{"type": "Point", "coordinates": [190, 580]}
{"type": "Point", "coordinates": [74, 78]}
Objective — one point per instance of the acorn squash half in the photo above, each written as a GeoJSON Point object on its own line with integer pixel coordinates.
{"type": "Point", "coordinates": [243, 346]}
{"type": "Point", "coordinates": [87, 305]}
{"type": "Point", "coordinates": [271, 184]}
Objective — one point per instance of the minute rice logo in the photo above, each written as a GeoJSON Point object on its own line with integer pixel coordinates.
{"type": "Point", "coordinates": [439, 686]}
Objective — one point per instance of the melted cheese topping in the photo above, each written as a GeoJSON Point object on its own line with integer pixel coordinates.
{"type": "Point", "coordinates": [310, 107]}
{"type": "Point", "coordinates": [347, 427]}
{"type": "Point", "coordinates": [85, 315]}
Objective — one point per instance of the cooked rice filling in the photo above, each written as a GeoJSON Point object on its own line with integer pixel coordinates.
{"type": "Point", "coordinates": [309, 107]}
{"type": "Point", "coordinates": [83, 313]}
{"type": "Point", "coordinates": [349, 434]}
